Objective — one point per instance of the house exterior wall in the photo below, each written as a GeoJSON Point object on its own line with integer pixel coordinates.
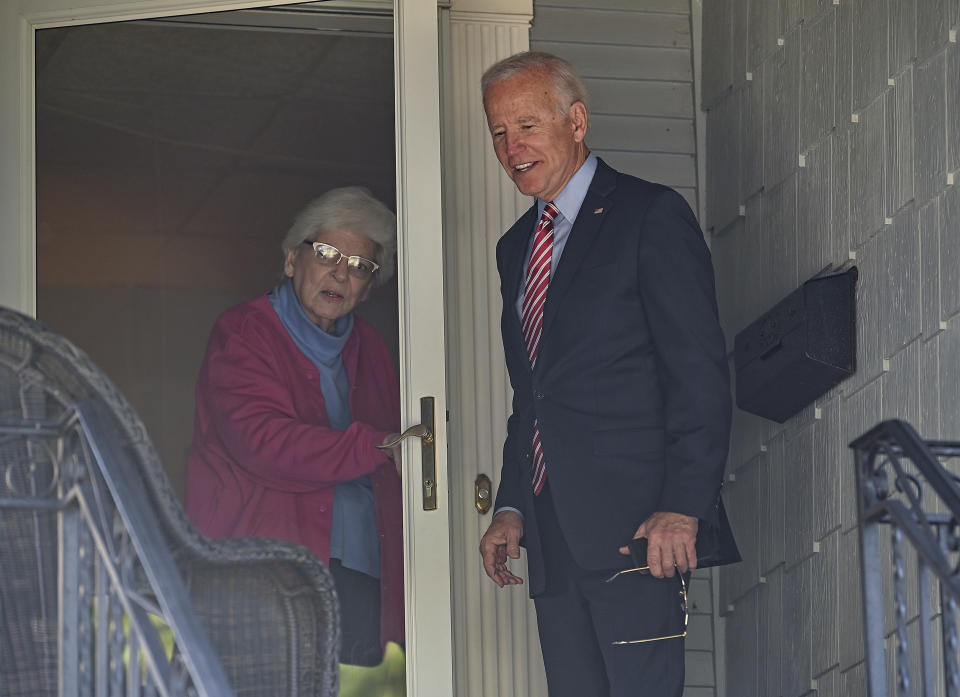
{"type": "Point", "coordinates": [833, 133]}
{"type": "Point", "coordinates": [635, 57]}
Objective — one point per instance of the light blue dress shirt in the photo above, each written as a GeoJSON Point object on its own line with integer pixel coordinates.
{"type": "Point", "coordinates": [568, 202]}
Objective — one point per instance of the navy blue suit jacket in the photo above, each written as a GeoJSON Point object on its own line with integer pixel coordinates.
{"type": "Point", "coordinates": [631, 386]}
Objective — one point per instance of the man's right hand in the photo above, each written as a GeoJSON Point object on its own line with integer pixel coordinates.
{"type": "Point", "coordinates": [500, 541]}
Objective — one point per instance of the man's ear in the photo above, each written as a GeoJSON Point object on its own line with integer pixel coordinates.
{"type": "Point", "coordinates": [578, 120]}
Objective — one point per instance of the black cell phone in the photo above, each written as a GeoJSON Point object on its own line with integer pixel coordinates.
{"type": "Point", "coordinates": [638, 551]}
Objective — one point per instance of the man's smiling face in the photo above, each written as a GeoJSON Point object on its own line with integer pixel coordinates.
{"type": "Point", "coordinates": [539, 147]}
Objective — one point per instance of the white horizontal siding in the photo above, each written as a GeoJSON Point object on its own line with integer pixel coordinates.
{"type": "Point", "coordinates": [654, 134]}
{"type": "Point", "coordinates": [665, 168]}
{"type": "Point", "coordinates": [626, 28]}
{"type": "Point", "coordinates": [681, 7]}
{"type": "Point", "coordinates": [635, 56]}
{"type": "Point", "coordinates": [628, 97]}
{"type": "Point", "coordinates": [629, 62]}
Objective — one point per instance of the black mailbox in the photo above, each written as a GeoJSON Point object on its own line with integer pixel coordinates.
{"type": "Point", "coordinates": [799, 349]}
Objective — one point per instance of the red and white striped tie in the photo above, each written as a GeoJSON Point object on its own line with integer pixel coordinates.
{"type": "Point", "coordinates": [531, 316]}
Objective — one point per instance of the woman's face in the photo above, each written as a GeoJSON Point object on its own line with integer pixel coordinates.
{"type": "Point", "coordinates": [327, 293]}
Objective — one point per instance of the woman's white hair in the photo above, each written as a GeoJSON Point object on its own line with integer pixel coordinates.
{"type": "Point", "coordinates": [567, 85]}
{"type": "Point", "coordinates": [350, 208]}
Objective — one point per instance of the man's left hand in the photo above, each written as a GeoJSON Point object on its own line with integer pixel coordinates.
{"type": "Point", "coordinates": [671, 543]}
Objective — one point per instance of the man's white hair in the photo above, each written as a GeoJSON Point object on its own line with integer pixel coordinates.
{"type": "Point", "coordinates": [567, 85]}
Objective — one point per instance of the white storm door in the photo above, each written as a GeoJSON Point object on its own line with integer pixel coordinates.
{"type": "Point", "coordinates": [422, 369]}
{"type": "Point", "coordinates": [422, 349]}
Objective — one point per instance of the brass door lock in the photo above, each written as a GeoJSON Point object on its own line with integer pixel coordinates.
{"type": "Point", "coordinates": [483, 493]}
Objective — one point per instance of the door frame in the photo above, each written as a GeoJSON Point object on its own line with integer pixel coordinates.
{"type": "Point", "coordinates": [420, 263]}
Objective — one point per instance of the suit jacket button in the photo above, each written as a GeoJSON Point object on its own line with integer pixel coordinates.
{"type": "Point", "coordinates": [539, 395]}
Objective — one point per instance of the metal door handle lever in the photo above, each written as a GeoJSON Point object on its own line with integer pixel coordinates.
{"type": "Point", "coordinates": [419, 430]}
{"type": "Point", "coordinates": [428, 454]}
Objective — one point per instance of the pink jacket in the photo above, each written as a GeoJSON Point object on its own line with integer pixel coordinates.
{"type": "Point", "coordinates": [264, 460]}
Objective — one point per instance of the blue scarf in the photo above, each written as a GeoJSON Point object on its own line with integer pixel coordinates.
{"type": "Point", "coordinates": [354, 539]}
{"type": "Point", "coordinates": [324, 350]}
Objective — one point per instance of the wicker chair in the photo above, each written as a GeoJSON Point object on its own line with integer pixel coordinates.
{"type": "Point", "coordinates": [268, 607]}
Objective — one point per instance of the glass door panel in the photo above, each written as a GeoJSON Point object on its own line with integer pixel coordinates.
{"type": "Point", "coordinates": [170, 158]}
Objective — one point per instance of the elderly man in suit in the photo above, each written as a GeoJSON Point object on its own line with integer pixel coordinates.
{"type": "Point", "coordinates": [621, 407]}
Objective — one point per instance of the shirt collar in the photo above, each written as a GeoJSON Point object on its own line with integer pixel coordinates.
{"type": "Point", "coordinates": [569, 200]}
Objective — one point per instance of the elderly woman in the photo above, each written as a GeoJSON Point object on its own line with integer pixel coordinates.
{"type": "Point", "coordinates": [294, 393]}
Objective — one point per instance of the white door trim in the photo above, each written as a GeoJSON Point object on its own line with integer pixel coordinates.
{"type": "Point", "coordinates": [422, 347]}
{"type": "Point", "coordinates": [495, 631]}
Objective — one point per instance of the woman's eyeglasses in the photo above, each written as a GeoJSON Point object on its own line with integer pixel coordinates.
{"type": "Point", "coordinates": [328, 255]}
{"type": "Point", "coordinates": [683, 607]}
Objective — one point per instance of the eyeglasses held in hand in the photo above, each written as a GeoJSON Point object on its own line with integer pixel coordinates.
{"type": "Point", "coordinates": [328, 255]}
{"type": "Point", "coordinates": [683, 606]}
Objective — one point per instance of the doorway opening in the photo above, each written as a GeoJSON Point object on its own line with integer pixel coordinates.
{"type": "Point", "coordinates": [172, 156]}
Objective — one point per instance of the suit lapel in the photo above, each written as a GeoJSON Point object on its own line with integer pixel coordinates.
{"type": "Point", "coordinates": [583, 236]}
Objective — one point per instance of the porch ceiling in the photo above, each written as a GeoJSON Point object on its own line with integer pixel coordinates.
{"type": "Point", "coordinates": [203, 130]}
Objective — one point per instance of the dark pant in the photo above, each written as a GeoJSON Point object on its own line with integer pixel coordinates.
{"type": "Point", "coordinates": [580, 615]}
{"type": "Point", "coordinates": [359, 596]}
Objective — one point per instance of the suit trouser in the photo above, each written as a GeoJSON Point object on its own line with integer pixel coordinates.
{"type": "Point", "coordinates": [580, 615]}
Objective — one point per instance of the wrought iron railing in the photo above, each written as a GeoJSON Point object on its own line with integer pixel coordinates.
{"type": "Point", "coordinates": [905, 484]}
{"type": "Point", "coordinates": [92, 600]}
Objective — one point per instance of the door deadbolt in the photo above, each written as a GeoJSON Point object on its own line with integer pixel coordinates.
{"type": "Point", "coordinates": [482, 493]}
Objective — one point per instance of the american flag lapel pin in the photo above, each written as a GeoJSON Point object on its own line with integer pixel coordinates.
{"type": "Point", "coordinates": [598, 211]}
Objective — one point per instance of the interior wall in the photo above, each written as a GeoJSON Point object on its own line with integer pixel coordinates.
{"type": "Point", "coordinates": [171, 160]}
{"type": "Point", "coordinates": [833, 135]}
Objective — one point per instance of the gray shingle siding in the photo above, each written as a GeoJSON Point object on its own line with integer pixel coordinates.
{"type": "Point", "coordinates": [844, 142]}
